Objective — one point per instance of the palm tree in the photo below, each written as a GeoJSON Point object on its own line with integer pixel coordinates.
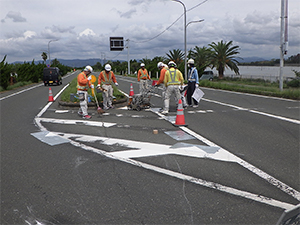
{"type": "Point", "coordinates": [44, 56]}
{"type": "Point", "coordinates": [176, 55]}
{"type": "Point", "coordinates": [224, 55]}
{"type": "Point", "coordinates": [202, 57]}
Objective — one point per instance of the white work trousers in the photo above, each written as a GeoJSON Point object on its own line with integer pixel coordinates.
{"type": "Point", "coordinates": [143, 85]}
{"type": "Point", "coordinates": [171, 89]}
{"type": "Point", "coordinates": [83, 104]}
{"type": "Point", "coordinates": [107, 96]}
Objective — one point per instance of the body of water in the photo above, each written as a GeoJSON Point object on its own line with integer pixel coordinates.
{"type": "Point", "coordinates": [264, 72]}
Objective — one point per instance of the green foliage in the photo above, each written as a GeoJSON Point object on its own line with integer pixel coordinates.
{"type": "Point", "coordinates": [5, 70]}
{"type": "Point", "coordinates": [224, 55]}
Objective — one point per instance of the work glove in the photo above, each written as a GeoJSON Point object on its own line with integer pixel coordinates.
{"type": "Point", "coordinates": [197, 85]}
{"type": "Point", "coordinates": [90, 77]}
{"type": "Point", "coordinates": [116, 84]}
{"type": "Point", "coordinates": [92, 86]}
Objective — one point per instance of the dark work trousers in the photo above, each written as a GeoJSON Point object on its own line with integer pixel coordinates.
{"type": "Point", "coordinates": [190, 92]}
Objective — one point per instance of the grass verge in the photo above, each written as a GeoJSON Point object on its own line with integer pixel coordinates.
{"type": "Point", "coordinates": [72, 89]}
{"type": "Point", "coordinates": [253, 87]}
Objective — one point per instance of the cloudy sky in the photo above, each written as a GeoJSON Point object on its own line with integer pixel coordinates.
{"type": "Point", "coordinates": [154, 27]}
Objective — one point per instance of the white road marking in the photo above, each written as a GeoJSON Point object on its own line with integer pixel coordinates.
{"type": "Point", "coordinates": [212, 185]}
{"type": "Point", "coordinates": [119, 156]}
{"type": "Point", "coordinates": [75, 122]}
{"type": "Point", "coordinates": [282, 186]}
{"type": "Point", "coordinates": [28, 89]}
{"type": "Point", "coordinates": [254, 111]}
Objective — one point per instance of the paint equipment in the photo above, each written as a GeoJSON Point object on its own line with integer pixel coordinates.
{"type": "Point", "coordinates": [99, 110]}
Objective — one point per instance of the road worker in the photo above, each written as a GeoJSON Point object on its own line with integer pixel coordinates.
{"type": "Point", "coordinates": [173, 81]}
{"type": "Point", "coordinates": [193, 83]}
{"type": "Point", "coordinates": [107, 78]}
{"type": "Point", "coordinates": [143, 78]}
{"type": "Point", "coordinates": [83, 83]}
{"type": "Point", "coordinates": [163, 68]}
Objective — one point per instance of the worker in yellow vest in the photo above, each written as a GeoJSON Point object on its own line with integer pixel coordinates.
{"type": "Point", "coordinates": [173, 81]}
{"type": "Point", "coordinates": [143, 77]}
{"type": "Point", "coordinates": [83, 84]}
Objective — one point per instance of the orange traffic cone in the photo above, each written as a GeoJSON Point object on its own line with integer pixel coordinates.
{"type": "Point", "coordinates": [180, 116]}
{"type": "Point", "coordinates": [131, 93]}
{"type": "Point", "coordinates": [50, 99]}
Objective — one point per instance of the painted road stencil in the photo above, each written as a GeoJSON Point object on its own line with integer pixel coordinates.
{"type": "Point", "coordinates": [143, 149]}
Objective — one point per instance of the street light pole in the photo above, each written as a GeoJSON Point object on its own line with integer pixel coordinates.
{"type": "Point", "coordinates": [185, 59]}
{"type": "Point", "coordinates": [49, 50]}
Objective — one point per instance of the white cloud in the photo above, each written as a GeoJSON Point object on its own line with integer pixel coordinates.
{"type": "Point", "coordinates": [83, 30]}
{"type": "Point", "coordinates": [14, 16]}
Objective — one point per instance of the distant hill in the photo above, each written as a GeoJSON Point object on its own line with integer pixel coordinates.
{"type": "Point", "coordinates": [72, 62]}
{"type": "Point", "coordinates": [251, 59]}
{"type": "Point", "coordinates": [85, 62]}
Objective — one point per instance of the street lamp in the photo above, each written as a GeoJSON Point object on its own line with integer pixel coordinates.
{"type": "Point", "coordinates": [185, 65]}
{"type": "Point", "coordinates": [49, 50]}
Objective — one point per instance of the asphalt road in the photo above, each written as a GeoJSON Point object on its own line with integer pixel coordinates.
{"type": "Point", "coordinates": [237, 161]}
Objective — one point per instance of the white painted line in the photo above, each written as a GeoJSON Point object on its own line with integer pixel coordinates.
{"type": "Point", "coordinates": [254, 95]}
{"type": "Point", "coordinates": [28, 89]}
{"type": "Point", "coordinates": [213, 185]}
{"type": "Point", "coordinates": [75, 122]}
{"type": "Point", "coordinates": [50, 103]}
{"type": "Point", "coordinates": [272, 180]}
{"type": "Point", "coordinates": [254, 111]}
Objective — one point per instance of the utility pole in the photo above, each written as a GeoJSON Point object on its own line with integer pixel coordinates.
{"type": "Point", "coordinates": [283, 39]}
{"type": "Point", "coordinates": [128, 60]}
{"type": "Point", "coordinates": [49, 51]}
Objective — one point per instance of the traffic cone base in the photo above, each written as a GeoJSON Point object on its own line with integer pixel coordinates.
{"type": "Point", "coordinates": [131, 93]}
{"type": "Point", "coordinates": [50, 98]}
{"type": "Point", "coordinates": [180, 121]}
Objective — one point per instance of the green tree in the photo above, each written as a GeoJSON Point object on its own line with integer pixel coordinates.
{"type": "Point", "coordinates": [175, 55]}
{"type": "Point", "coordinates": [202, 57]}
{"type": "Point", "coordinates": [5, 70]}
{"type": "Point", "coordinates": [224, 55]}
{"type": "Point", "coordinates": [55, 62]}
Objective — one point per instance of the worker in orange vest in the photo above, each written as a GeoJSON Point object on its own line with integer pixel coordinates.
{"type": "Point", "coordinates": [83, 83]}
{"type": "Point", "coordinates": [163, 68]}
{"type": "Point", "coordinates": [107, 78]}
{"type": "Point", "coordinates": [143, 76]}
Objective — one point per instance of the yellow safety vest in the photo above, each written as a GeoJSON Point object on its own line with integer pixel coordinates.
{"type": "Point", "coordinates": [173, 77]}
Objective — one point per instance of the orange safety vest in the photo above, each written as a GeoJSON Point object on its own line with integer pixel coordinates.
{"type": "Point", "coordinates": [82, 82]}
{"type": "Point", "coordinates": [144, 74]}
{"type": "Point", "coordinates": [109, 79]}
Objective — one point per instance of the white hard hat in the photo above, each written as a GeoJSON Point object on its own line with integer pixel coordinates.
{"type": "Point", "coordinates": [191, 61]}
{"type": "Point", "coordinates": [160, 64]}
{"type": "Point", "coordinates": [107, 67]}
{"type": "Point", "coordinates": [172, 64]}
{"type": "Point", "coordinates": [88, 68]}
{"type": "Point", "coordinates": [142, 64]}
